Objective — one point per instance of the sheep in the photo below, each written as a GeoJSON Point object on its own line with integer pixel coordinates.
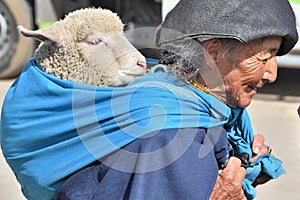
{"type": "Point", "coordinates": [88, 46]}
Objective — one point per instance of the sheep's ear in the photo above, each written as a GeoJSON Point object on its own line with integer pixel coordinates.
{"type": "Point", "coordinates": [40, 34]}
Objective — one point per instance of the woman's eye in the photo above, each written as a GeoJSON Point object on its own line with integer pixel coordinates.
{"type": "Point", "coordinates": [265, 61]}
{"type": "Point", "coordinates": [95, 41]}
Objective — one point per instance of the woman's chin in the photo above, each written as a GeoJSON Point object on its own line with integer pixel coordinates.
{"type": "Point", "coordinates": [240, 103]}
{"type": "Point", "coordinates": [244, 103]}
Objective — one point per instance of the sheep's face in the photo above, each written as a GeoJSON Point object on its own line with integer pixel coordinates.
{"type": "Point", "coordinates": [113, 56]}
{"type": "Point", "coordinates": [88, 46]}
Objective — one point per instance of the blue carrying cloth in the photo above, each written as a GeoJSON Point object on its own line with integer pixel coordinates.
{"type": "Point", "coordinates": [51, 128]}
{"type": "Point", "coordinates": [240, 137]}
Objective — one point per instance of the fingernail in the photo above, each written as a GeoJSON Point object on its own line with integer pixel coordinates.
{"type": "Point", "coordinates": [256, 150]}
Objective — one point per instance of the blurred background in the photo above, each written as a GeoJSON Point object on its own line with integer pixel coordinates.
{"type": "Point", "coordinates": [273, 110]}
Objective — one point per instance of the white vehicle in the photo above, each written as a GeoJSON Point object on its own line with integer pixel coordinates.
{"type": "Point", "coordinates": [14, 50]}
{"type": "Point", "coordinates": [292, 60]}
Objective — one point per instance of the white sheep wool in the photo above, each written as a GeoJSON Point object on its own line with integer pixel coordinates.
{"type": "Point", "coordinates": [88, 46]}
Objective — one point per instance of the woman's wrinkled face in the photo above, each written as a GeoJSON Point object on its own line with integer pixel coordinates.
{"type": "Point", "coordinates": [248, 69]}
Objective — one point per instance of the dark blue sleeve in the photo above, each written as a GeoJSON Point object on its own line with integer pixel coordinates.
{"type": "Point", "coordinates": [169, 164]}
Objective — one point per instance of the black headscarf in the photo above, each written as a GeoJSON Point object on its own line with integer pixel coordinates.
{"type": "Point", "coordinates": [243, 20]}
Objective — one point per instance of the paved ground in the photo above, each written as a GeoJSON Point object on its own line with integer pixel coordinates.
{"type": "Point", "coordinates": [273, 114]}
{"type": "Point", "coordinates": [280, 124]}
{"type": "Point", "coordinates": [10, 189]}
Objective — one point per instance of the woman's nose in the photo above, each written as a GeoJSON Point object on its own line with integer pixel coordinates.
{"type": "Point", "coordinates": [270, 74]}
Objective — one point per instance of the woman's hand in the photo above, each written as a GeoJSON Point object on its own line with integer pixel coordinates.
{"type": "Point", "coordinates": [229, 182]}
{"type": "Point", "coordinates": [258, 147]}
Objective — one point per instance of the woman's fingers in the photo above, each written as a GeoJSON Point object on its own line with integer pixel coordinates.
{"type": "Point", "coordinates": [259, 147]}
{"type": "Point", "coordinates": [258, 143]}
{"type": "Point", "coordinates": [229, 182]}
{"type": "Point", "coordinates": [234, 168]}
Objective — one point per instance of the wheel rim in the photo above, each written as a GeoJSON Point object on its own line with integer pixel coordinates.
{"type": "Point", "coordinates": [8, 36]}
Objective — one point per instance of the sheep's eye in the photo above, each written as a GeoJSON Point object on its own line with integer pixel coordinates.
{"type": "Point", "coordinates": [95, 41]}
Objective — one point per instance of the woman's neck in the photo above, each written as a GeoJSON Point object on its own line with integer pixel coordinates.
{"type": "Point", "coordinates": [214, 88]}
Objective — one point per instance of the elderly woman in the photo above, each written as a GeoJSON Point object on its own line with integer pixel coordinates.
{"type": "Point", "coordinates": [228, 50]}
{"type": "Point", "coordinates": [182, 134]}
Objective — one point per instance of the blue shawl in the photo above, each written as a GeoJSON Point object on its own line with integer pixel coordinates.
{"type": "Point", "coordinates": [51, 128]}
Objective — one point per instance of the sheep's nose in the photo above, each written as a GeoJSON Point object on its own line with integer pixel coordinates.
{"type": "Point", "coordinates": [142, 64]}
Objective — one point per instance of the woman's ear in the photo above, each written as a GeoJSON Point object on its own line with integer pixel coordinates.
{"type": "Point", "coordinates": [214, 49]}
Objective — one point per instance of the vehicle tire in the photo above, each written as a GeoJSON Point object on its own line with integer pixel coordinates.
{"type": "Point", "coordinates": [15, 50]}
